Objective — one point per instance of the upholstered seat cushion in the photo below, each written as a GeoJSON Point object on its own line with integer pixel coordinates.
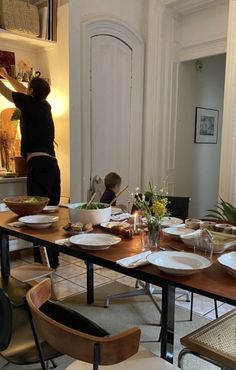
{"type": "Point", "coordinates": [142, 360]}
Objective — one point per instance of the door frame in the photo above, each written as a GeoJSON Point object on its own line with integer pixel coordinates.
{"type": "Point", "coordinates": [113, 27]}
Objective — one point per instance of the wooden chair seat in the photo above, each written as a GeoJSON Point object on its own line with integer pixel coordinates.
{"type": "Point", "coordinates": [141, 360]}
{"type": "Point", "coordinates": [29, 272]}
{"type": "Point", "coordinates": [216, 341]}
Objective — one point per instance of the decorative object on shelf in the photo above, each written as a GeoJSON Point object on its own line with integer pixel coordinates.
{"type": "Point", "coordinates": [154, 208]}
{"type": "Point", "coordinates": [19, 16]}
{"type": "Point", "coordinates": [8, 142]}
{"type": "Point", "coordinates": [7, 60]}
{"type": "Point", "coordinates": [224, 212]}
{"type": "Point", "coordinates": [206, 126]}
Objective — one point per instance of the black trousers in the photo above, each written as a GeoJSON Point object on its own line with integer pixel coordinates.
{"type": "Point", "coordinates": [44, 180]}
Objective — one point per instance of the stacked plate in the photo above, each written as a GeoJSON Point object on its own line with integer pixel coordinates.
{"type": "Point", "coordinates": [38, 221]}
{"type": "Point", "coordinates": [175, 233]}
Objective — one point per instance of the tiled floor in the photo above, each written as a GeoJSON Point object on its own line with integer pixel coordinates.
{"type": "Point", "coordinates": [70, 278]}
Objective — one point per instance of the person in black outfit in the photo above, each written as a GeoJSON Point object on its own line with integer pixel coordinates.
{"type": "Point", "coordinates": [113, 184]}
{"type": "Point", "coordinates": [37, 142]}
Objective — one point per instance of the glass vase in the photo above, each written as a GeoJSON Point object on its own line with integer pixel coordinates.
{"type": "Point", "coordinates": [154, 232]}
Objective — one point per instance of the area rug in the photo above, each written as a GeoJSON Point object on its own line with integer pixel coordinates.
{"type": "Point", "coordinates": [130, 312]}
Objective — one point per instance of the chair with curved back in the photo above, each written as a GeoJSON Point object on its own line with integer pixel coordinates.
{"type": "Point", "coordinates": [114, 352]}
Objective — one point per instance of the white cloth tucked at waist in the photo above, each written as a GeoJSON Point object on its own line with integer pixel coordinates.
{"type": "Point", "coordinates": [38, 154]}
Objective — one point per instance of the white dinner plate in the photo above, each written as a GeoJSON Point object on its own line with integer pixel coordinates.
{"type": "Point", "coordinates": [109, 225]}
{"type": "Point", "coordinates": [38, 221]}
{"type": "Point", "coordinates": [116, 210]}
{"type": "Point", "coordinates": [171, 221]}
{"type": "Point", "coordinates": [228, 262]}
{"type": "Point", "coordinates": [95, 241]}
{"type": "Point", "coordinates": [176, 232]}
{"type": "Point", "coordinates": [178, 263]}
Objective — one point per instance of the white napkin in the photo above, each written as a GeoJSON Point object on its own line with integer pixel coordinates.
{"type": "Point", "coordinates": [134, 261]}
{"type": "Point", "coordinates": [16, 224]}
{"type": "Point", "coordinates": [120, 217]}
{"type": "Point", "coordinates": [63, 242]}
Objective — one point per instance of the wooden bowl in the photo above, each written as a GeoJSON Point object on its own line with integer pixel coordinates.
{"type": "Point", "coordinates": [18, 205]}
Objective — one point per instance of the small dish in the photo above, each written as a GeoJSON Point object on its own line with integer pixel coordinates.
{"type": "Point", "coordinates": [193, 223]}
{"type": "Point", "coordinates": [50, 209]}
{"type": "Point", "coordinates": [224, 228]}
{"type": "Point", "coordinates": [210, 225]}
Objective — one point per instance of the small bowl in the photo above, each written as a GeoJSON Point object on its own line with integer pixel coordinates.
{"type": "Point", "coordinates": [209, 225]}
{"type": "Point", "coordinates": [193, 223]}
{"type": "Point", "coordinates": [224, 228]}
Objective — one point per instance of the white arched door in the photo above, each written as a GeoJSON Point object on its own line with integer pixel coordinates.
{"type": "Point", "coordinates": [110, 92]}
{"type": "Point", "coordinates": [112, 103]}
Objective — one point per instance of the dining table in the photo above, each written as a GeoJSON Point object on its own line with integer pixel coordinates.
{"type": "Point", "coordinates": [212, 282]}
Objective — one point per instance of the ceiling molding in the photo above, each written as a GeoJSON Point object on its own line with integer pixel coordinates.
{"type": "Point", "coordinates": [185, 7]}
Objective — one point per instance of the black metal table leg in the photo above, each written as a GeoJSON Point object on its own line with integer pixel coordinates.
{"type": "Point", "coordinates": [90, 283]}
{"type": "Point", "coordinates": [5, 256]}
{"type": "Point", "coordinates": [168, 323]}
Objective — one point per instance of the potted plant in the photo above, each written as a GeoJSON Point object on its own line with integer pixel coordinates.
{"type": "Point", "coordinates": [224, 212]}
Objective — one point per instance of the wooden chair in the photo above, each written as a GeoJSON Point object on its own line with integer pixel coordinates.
{"type": "Point", "coordinates": [214, 342]}
{"type": "Point", "coordinates": [110, 351]}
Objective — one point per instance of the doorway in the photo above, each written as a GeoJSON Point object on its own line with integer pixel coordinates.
{"type": "Point", "coordinates": [201, 84]}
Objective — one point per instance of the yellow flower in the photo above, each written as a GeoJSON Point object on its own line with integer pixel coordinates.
{"type": "Point", "coordinates": [159, 208]}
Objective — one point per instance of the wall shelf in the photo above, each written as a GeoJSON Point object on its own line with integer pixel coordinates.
{"type": "Point", "coordinates": [34, 43]}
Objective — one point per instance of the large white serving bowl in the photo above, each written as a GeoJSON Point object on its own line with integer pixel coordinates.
{"type": "Point", "coordinates": [176, 232]}
{"type": "Point", "coordinates": [178, 263]}
{"type": "Point", "coordinates": [228, 262]}
{"type": "Point", "coordinates": [93, 216]}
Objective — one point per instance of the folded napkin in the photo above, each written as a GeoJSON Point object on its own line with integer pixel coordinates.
{"type": "Point", "coordinates": [134, 261]}
{"type": "Point", "coordinates": [16, 224]}
{"type": "Point", "coordinates": [120, 217]}
{"type": "Point", "coordinates": [63, 242]}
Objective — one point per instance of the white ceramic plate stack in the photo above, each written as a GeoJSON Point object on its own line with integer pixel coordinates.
{"type": "Point", "coordinates": [176, 232]}
{"type": "Point", "coordinates": [171, 221]}
{"type": "Point", "coordinates": [179, 263]}
{"type": "Point", "coordinates": [95, 241]}
{"type": "Point", "coordinates": [38, 221]}
{"type": "Point", "coordinates": [228, 262]}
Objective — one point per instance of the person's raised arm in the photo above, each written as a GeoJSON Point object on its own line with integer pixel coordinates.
{"type": "Point", "coordinates": [7, 93]}
{"type": "Point", "coordinates": [19, 87]}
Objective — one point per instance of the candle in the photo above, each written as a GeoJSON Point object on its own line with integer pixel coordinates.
{"type": "Point", "coordinates": [135, 221]}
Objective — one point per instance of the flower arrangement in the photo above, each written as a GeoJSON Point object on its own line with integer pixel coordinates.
{"type": "Point", "coordinates": [153, 207]}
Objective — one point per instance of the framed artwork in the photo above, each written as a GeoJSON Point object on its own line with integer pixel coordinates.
{"type": "Point", "coordinates": [7, 60]}
{"type": "Point", "coordinates": [206, 126]}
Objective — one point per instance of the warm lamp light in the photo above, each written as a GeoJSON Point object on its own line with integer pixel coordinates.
{"type": "Point", "coordinates": [58, 102]}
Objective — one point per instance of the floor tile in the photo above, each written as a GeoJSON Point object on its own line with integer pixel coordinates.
{"type": "Point", "coordinates": [66, 288]}
{"type": "Point", "coordinates": [70, 259]}
{"type": "Point", "coordinates": [201, 305]}
{"type": "Point", "coordinates": [113, 275]}
{"type": "Point", "coordinates": [127, 280]}
{"type": "Point", "coordinates": [98, 280]}
{"type": "Point", "coordinates": [224, 308]}
{"type": "Point", "coordinates": [80, 263]}
{"type": "Point", "coordinates": [69, 271]}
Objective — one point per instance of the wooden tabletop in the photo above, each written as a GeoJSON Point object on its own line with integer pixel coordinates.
{"type": "Point", "coordinates": [213, 282]}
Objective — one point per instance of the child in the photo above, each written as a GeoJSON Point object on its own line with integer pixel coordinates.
{"type": "Point", "coordinates": [113, 185]}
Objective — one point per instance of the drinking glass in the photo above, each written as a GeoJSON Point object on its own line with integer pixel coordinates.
{"type": "Point", "coordinates": [204, 247]}
{"type": "Point", "coordinates": [145, 243]}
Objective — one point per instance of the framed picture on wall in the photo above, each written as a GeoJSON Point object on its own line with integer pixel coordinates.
{"type": "Point", "coordinates": [206, 126]}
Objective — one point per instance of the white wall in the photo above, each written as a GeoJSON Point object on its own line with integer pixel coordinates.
{"type": "Point", "coordinates": [197, 165]}
{"type": "Point", "coordinates": [55, 64]}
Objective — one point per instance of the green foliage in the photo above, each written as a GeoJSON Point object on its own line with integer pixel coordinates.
{"type": "Point", "coordinates": [224, 212]}
{"type": "Point", "coordinates": [16, 115]}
